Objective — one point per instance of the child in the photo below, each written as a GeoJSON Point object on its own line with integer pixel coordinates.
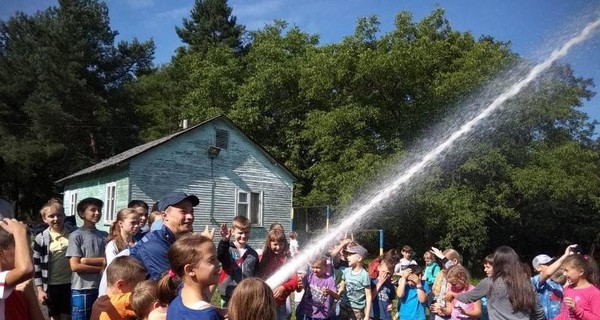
{"type": "Point", "coordinates": [355, 287]}
{"type": "Point", "coordinates": [194, 264]}
{"type": "Point", "coordinates": [431, 268]}
{"type": "Point", "coordinates": [52, 272]}
{"type": "Point", "coordinates": [384, 291]}
{"type": "Point", "coordinates": [121, 233]}
{"type": "Point", "coordinates": [239, 260]}
{"type": "Point", "coordinates": [294, 247]}
{"type": "Point", "coordinates": [488, 265]}
{"type": "Point", "coordinates": [508, 290]}
{"type": "Point", "coordinates": [550, 293]}
{"type": "Point", "coordinates": [391, 256]}
{"type": "Point", "coordinates": [252, 299]}
{"type": "Point", "coordinates": [15, 268]}
{"type": "Point", "coordinates": [458, 279]}
{"type": "Point", "coordinates": [405, 261]}
{"type": "Point", "coordinates": [275, 254]}
{"type": "Point", "coordinates": [123, 273]}
{"type": "Point", "coordinates": [86, 258]}
{"type": "Point", "coordinates": [141, 208]}
{"type": "Point", "coordinates": [145, 303]}
{"type": "Point", "coordinates": [413, 294]}
{"type": "Point", "coordinates": [581, 294]}
{"type": "Point", "coordinates": [319, 289]}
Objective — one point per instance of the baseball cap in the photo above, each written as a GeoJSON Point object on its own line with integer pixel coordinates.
{"type": "Point", "coordinates": [175, 198]}
{"type": "Point", "coordinates": [541, 260]}
{"type": "Point", "coordinates": [358, 249]}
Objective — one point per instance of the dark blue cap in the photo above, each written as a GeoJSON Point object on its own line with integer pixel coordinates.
{"type": "Point", "coordinates": [175, 198]}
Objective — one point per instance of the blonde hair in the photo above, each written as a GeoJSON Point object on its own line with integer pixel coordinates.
{"type": "Point", "coordinates": [252, 299]}
{"type": "Point", "coordinates": [52, 204]}
{"type": "Point", "coordinates": [268, 255]}
{"type": "Point", "coordinates": [115, 229]}
{"type": "Point", "coordinates": [152, 217]}
{"type": "Point", "coordinates": [143, 297]}
{"type": "Point", "coordinates": [241, 222]}
{"type": "Point", "coordinates": [186, 250]}
{"type": "Point", "coordinates": [126, 268]}
{"type": "Point", "coordinates": [459, 273]}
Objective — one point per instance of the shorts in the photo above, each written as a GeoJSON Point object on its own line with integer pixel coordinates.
{"type": "Point", "coordinates": [349, 313]}
{"type": "Point", "coordinates": [57, 302]}
{"type": "Point", "coordinates": [82, 302]}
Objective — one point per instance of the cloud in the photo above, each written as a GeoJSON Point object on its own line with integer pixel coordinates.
{"type": "Point", "coordinates": [175, 14]}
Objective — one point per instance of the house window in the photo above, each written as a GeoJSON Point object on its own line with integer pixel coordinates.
{"type": "Point", "coordinates": [109, 203]}
{"type": "Point", "coordinates": [222, 138]}
{"type": "Point", "coordinates": [249, 204]}
{"type": "Point", "coordinates": [72, 203]}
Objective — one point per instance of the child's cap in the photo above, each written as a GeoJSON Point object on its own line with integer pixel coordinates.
{"type": "Point", "coordinates": [358, 249]}
{"type": "Point", "coordinates": [542, 259]}
{"type": "Point", "coordinates": [175, 198]}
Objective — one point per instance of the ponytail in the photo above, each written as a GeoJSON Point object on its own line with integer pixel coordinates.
{"type": "Point", "coordinates": [166, 289]}
{"type": "Point", "coordinates": [114, 232]}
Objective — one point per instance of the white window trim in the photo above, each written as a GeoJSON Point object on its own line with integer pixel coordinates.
{"type": "Point", "coordinates": [247, 213]}
{"type": "Point", "coordinates": [72, 196]}
{"type": "Point", "coordinates": [109, 212]}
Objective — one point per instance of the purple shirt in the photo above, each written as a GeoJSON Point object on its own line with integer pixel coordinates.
{"type": "Point", "coordinates": [314, 303]}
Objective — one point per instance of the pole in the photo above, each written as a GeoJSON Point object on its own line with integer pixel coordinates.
{"type": "Point", "coordinates": [381, 242]}
{"type": "Point", "coordinates": [292, 220]}
{"type": "Point", "coordinates": [328, 211]}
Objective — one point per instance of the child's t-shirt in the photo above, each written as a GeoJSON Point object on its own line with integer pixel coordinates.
{"type": "Point", "coordinates": [456, 305]}
{"type": "Point", "coordinates": [113, 307]}
{"type": "Point", "coordinates": [410, 306]}
{"type": "Point", "coordinates": [60, 270]}
{"type": "Point", "coordinates": [383, 298]}
{"type": "Point", "coordinates": [587, 304]}
{"type": "Point", "coordinates": [431, 272]}
{"type": "Point", "coordinates": [294, 247]}
{"type": "Point", "coordinates": [13, 305]}
{"type": "Point", "coordinates": [201, 311]}
{"type": "Point", "coordinates": [355, 295]}
{"type": "Point", "coordinates": [86, 243]}
{"type": "Point", "coordinates": [550, 295]}
{"type": "Point", "coordinates": [314, 303]}
{"type": "Point", "coordinates": [402, 265]}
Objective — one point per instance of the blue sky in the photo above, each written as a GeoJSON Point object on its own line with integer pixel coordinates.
{"type": "Point", "coordinates": [533, 27]}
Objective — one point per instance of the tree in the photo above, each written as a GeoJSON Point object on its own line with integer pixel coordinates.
{"type": "Point", "coordinates": [211, 24]}
{"type": "Point", "coordinates": [64, 101]}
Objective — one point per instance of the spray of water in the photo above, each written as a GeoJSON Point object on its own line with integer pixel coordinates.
{"type": "Point", "coordinates": [403, 178]}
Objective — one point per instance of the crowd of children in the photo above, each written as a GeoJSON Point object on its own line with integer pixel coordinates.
{"type": "Point", "coordinates": [68, 265]}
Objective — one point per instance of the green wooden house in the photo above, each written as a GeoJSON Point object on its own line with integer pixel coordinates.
{"type": "Point", "coordinates": [229, 172]}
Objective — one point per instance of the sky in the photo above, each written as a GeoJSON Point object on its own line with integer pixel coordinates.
{"type": "Point", "coordinates": [534, 27]}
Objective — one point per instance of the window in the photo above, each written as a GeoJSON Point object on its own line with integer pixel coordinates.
{"type": "Point", "coordinates": [222, 138]}
{"type": "Point", "coordinates": [109, 203]}
{"type": "Point", "coordinates": [249, 204]}
{"type": "Point", "coordinates": [72, 203]}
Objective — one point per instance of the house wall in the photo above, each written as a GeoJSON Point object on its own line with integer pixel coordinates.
{"type": "Point", "coordinates": [95, 186]}
{"type": "Point", "coordinates": [183, 164]}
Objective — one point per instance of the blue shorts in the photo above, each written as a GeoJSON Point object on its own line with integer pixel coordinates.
{"type": "Point", "coordinates": [82, 302]}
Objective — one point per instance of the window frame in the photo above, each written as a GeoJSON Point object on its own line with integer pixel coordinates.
{"type": "Point", "coordinates": [72, 196]}
{"type": "Point", "coordinates": [248, 203]}
{"type": "Point", "coordinates": [109, 210]}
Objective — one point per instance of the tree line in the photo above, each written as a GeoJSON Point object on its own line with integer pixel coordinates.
{"type": "Point", "coordinates": [337, 115]}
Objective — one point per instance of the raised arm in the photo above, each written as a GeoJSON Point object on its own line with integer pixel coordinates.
{"type": "Point", "coordinates": [23, 269]}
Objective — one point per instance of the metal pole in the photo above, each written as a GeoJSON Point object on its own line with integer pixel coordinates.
{"type": "Point", "coordinates": [328, 211]}
{"type": "Point", "coordinates": [292, 220]}
{"type": "Point", "coordinates": [381, 242]}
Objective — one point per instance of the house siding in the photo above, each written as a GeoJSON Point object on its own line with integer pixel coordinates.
{"type": "Point", "coordinates": [95, 186]}
{"type": "Point", "coordinates": [183, 165]}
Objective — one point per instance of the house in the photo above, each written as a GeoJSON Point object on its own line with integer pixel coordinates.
{"type": "Point", "coordinates": [229, 172]}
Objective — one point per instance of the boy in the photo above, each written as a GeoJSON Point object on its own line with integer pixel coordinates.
{"type": "Point", "coordinates": [413, 294]}
{"type": "Point", "coordinates": [123, 273]}
{"type": "Point", "coordinates": [550, 293]}
{"type": "Point", "coordinates": [86, 258]}
{"type": "Point", "coordinates": [384, 291]}
{"type": "Point", "coordinates": [239, 260]}
{"type": "Point", "coordinates": [15, 268]}
{"type": "Point", "coordinates": [320, 291]}
{"type": "Point", "coordinates": [405, 261]}
{"type": "Point", "coordinates": [355, 287]}
{"type": "Point", "coordinates": [52, 271]}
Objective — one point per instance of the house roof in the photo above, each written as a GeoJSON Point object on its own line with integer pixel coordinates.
{"type": "Point", "coordinates": [125, 156]}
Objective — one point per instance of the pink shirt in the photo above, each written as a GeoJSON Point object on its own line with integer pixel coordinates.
{"type": "Point", "coordinates": [587, 304]}
{"type": "Point", "coordinates": [456, 313]}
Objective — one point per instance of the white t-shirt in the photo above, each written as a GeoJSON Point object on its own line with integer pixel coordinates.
{"type": "Point", "coordinates": [403, 264]}
{"type": "Point", "coordinates": [294, 247]}
{"type": "Point", "coordinates": [4, 292]}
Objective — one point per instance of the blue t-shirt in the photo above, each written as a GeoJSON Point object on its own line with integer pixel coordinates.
{"type": "Point", "coordinates": [151, 251]}
{"type": "Point", "coordinates": [354, 295]}
{"type": "Point", "coordinates": [385, 296]}
{"type": "Point", "coordinates": [550, 295]}
{"type": "Point", "coordinates": [177, 311]}
{"type": "Point", "coordinates": [410, 307]}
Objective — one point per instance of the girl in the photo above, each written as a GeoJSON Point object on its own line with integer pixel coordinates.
{"type": "Point", "coordinates": [581, 295]}
{"type": "Point", "coordinates": [252, 299]}
{"type": "Point", "coordinates": [145, 303]}
{"type": "Point", "coordinates": [508, 290]}
{"type": "Point", "coordinates": [193, 261]}
{"type": "Point", "coordinates": [275, 254]}
{"type": "Point", "coordinates": [431, 268]}
{"type": "Point", "coordinates": [320, 289]}
{"type": "Point", "coordinates": [121, 233]}
{"type": "Point", "coordinates": [458, 279]}
{"type": "Point", "coordinates": [449, 258]}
